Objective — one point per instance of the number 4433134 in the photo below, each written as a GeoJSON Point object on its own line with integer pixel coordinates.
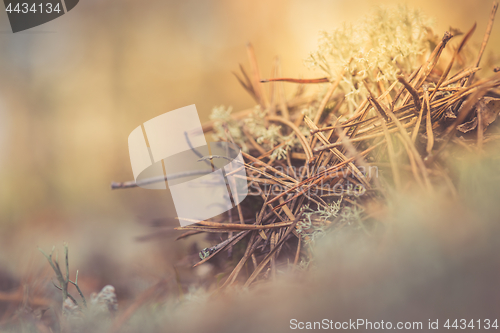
{"type": "Point", "coordinates": [34, 8]}
{"type": "Point", "coordinates": [485, 324]}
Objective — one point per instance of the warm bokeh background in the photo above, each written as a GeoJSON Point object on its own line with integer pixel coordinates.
{"type": "Point", "coordinates": [73, 89]}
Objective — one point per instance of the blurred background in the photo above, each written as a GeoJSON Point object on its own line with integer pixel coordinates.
{"type": "Point", "coordinates": [72, 90]}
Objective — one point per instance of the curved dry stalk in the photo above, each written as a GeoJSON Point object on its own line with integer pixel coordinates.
{"type": "Point", "coordinates": [300, 136]}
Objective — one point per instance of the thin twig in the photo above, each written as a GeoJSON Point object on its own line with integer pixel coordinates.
{"type": "Point", "coordinates": [63, 281]}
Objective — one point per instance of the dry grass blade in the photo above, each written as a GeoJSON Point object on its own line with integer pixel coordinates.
{"type": "Point", "coordinates": [252, 244]}
{"type": "Point", "coordinates": [412, 91]}
{"type": "Point", "coordinates": [412, 149]}
{"type": "Point", "coordinates": [430, 134]}
{"type": "Point", "coordinates": [246, 84]}
{"type": "Point", "coordinates": [266, 259]}
{"type": "Point", "coordinates": [413, 165]}
{"type": "Point", "coordinates": [351, 150]}
{"type": "Point", "coordinates": [431, 62]}
{"type": "Point", "coordinates": [230, 242]}
{"type": "Point", "coordinates": [459, 76]}
{"type": "Point", "coordinates": [479, 129]}
{"type": "Point", "coordinates": [375, 104]}
{"type": "Point", "coordinates": [361, 138]}
{"type": "Point", "coordinates": [388, 139]}
{"type": "Point", "coordinates": [267, 166]}
{"type": "Point", "coordinates": [327, 97]}
{"type": "Point", "coordinates": [485, 39]}
{"type": "Point", "coordinates": [287, 210]}
{"type": "Point", "coordinates": [410, 79]}
{"type": "Point", "coordinates": [457, 51]}
{"type": "Point", "coordinates": [419, 120]}
{"type": "Point", "coordinates": [281, 94]}
{"type": "Point", "coordinates": [257, 87]}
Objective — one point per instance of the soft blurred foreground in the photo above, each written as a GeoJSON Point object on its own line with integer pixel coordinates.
{"type": "Point", "coordinates": [433, 257]}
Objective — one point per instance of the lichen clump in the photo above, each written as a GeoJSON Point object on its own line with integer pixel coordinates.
{"type": "Point", "coordinates": [384, 45]}
{"type": "Point", "coordinates": [388, 43]}
{"type": "Point", "coordinates": [266, 135]}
